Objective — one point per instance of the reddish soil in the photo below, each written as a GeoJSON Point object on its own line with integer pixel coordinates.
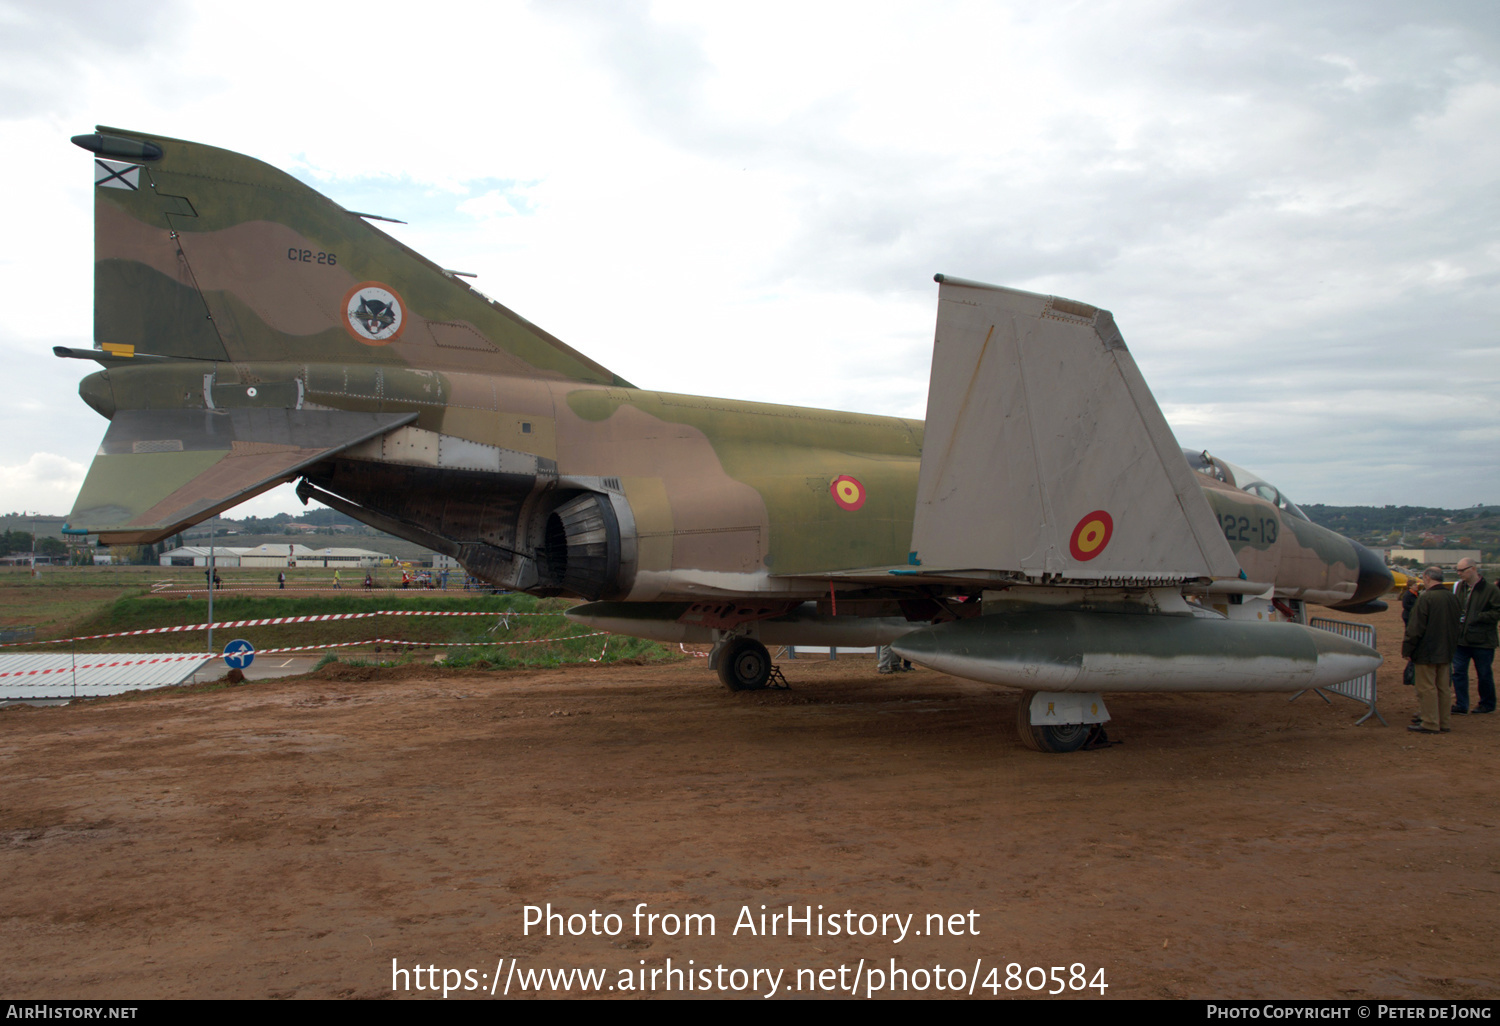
{"type": "Point", "coordinates": [291, 838]}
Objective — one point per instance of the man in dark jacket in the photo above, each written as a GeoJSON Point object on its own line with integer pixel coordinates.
{"type": "Point", "coordinates": [1431, 638]}
{"type": "Point", "coordinates": [1480, 601]}
{"type": "Point", "coordinates": [1409, 598]}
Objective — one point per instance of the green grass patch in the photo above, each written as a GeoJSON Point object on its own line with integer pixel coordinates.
{"type": "Point", "coordinates": [112, 603]}
{"type": "Point", "coordinates": [560, 651]}
{"type": "Point", "coordinates": [544, 618]}
{"type": "Point", "coordinates": [134, 611]}
{"type": "Point", "coordinates": [619, 649]}
{"type": "Point", "coordinates": [57, 601]}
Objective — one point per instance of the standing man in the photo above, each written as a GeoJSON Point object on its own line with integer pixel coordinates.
{"type": "Point", "coordinates": [336, 583]}
{"type": "Point", "coordinates": [1409, 598]}
{"type": "Point", "coordinates": [1480, 601]}
{"type": "Point", "coordinates": [281, 579]}
{"type": "Point", "coordinates": [1431, 638]}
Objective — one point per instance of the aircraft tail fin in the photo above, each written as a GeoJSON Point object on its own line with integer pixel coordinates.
{"type": "Point", "coordinates": [202, 253]}
{"type": "Point", "coordinates": [1045, 453]}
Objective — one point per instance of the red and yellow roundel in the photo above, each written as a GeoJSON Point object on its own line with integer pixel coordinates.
{"type": "Point", "coordinates": [847, 492]}
{"type": "Point", "coordinates": [1091, 535]}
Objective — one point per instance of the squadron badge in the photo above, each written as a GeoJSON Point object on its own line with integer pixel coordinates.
{"type": "Point", "coordinates": [374, 313]}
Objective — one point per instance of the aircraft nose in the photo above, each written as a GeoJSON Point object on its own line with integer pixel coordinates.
{"type": "Point", "coordinates": [1374, 578]}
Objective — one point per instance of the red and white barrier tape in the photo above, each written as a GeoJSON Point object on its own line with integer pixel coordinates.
{"type": "Point", "coordinates": [326, 589]}
{"type": "Point", "coordinates": [270, 621]}
{"type": "Point", "coordinates": [425, 644]}
{"type": "Point", "coordinates": [205, 657]}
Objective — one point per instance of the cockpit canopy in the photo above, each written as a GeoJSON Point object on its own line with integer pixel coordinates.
{"type": "Point", "coordinates": [1240, 478]}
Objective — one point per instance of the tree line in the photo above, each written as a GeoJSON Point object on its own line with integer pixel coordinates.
{"type": "Point", "coordinates": [18, 542]}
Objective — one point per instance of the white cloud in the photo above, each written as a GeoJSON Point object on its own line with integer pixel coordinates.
{"type": "Point", "coordinates": [45, 483]}
{"type": "Point", "coordinates": [1288, 208]}
{"type": "Point", "coordinates": [491, 205]}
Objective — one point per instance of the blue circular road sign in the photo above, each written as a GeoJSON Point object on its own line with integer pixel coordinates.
{"type": "Point", "coordinates": [239, 654]}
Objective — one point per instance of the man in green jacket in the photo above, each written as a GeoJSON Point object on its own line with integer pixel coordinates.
{"type": "Point", "coordinates": [1431, 638]}
{"type": "Point", "coordinates": [1480, 601]}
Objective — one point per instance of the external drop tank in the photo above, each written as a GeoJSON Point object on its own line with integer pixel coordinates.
{"type": "Point", "coordinates": [1076, 651]}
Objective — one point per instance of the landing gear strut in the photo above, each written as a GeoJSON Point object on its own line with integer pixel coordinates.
{"type": "Point", "coordinates": [1054, 738]}
{"type": "Point", "coordinates": [744, 665]}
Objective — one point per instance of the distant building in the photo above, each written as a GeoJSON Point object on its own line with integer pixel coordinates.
{"type": "Point", "coordinates": [1436, 557]}
{"type": "Point", "coordinates": [335, 558]}
{"type": "Point", "coordinates": [274, 554]}
{"type": "Point", "coordinates": [197, 555]}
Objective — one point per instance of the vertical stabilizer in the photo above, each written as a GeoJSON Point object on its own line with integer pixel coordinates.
{"type": "Point", "coordinates": [202, 253]}
{"type": "Point", "coordinates": [1045, 453]}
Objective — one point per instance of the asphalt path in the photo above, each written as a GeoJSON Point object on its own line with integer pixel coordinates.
{"type": "Point", "coordinates": [262, 668]}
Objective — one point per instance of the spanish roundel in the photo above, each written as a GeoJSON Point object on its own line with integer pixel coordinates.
{"type": "Point", "coordinates": [847, 492]}
{"type": "Point", "coordinates": [1091, 536]}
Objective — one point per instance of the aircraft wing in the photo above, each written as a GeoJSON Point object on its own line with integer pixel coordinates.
{"type": "Point", "coordinates": [1046, 455]}
{"type": "Point", "coordinates": [159, 471]}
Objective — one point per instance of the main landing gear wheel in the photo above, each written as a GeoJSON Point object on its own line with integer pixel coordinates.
{"type": "Point", "coordinates": [1064, 738]}
{"type": "Point", "coordinates": [744, 665]}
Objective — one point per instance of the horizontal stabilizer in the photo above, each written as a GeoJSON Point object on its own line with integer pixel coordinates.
{"type": "Point", "coordinates": [160, 471]}
{"type": "Point", "coordinates": [1045, 453]}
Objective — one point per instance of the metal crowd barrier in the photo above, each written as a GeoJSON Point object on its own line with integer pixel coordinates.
{"type": "Point", "coordinates": [1361, 689]}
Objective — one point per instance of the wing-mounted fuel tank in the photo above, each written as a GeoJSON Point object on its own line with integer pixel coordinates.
{"type": "Point", "coordinates": [507, 516]}
{"type": "Point", "coordinates": [1072, 640]}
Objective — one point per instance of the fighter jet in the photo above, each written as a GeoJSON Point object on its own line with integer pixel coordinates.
{"type": "Point", "coordinates": [1042, 529]}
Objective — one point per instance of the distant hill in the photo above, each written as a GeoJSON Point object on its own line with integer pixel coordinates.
{"type": "Point", "coordinates": [45, 526]}
{"type": "Point", "coordinates": [1475, 527]}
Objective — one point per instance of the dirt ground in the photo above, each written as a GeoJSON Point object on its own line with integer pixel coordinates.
{"type": "Point", "coordinates": [291, 838]}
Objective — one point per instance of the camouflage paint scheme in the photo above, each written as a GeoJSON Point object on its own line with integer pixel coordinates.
{"type": "Point", "coordinates": [229, 305]}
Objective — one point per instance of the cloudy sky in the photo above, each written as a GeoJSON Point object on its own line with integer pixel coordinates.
{"type": "Point", "coordinates": [1291, 208]}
